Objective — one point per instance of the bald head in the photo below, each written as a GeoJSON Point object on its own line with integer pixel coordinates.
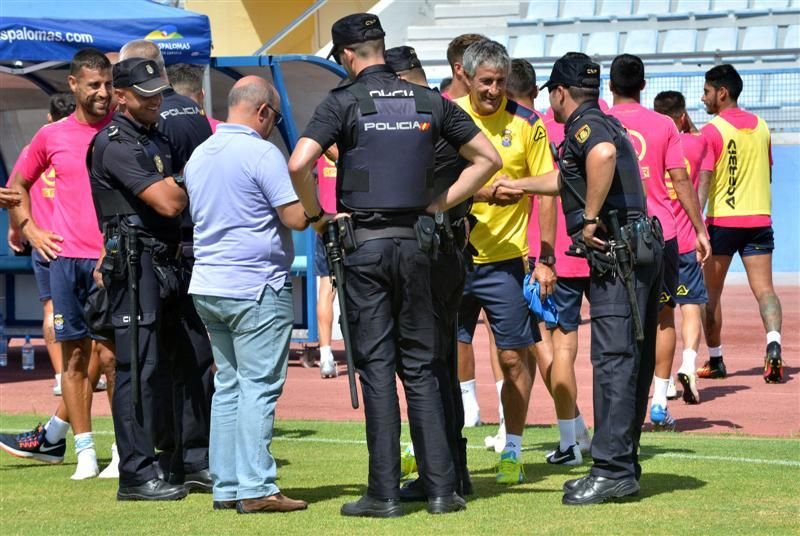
{"type": "Point", "coordinates": [141, 48]}
{"type": "Point", "coordinates": [253, 102]}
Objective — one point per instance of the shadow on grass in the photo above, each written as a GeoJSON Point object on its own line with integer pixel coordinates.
{"type": "Point", "coordinates": [657, 483]}
{"type": "Point", "coordinates": [292, 433]}
{"type": "Point", "coordinates": [326, 493]}
{"type": "Point", "coordinates": [788, 372]}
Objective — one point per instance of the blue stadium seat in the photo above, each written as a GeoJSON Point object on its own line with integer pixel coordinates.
{"type": "Point", "coordinates": [729, 5]}
{"type": "Point", "coordinates": [542, 9]}
{"type": "Point", "coordinates": [602, 43]}
{"type": "Point", "coordinates": [653, 7]}
{"type": "Point", "coordinates": [563, 43]}
{"type": "Point", "coordinates": [792, 39]}
{"type": "Point", "coordinates": [720, 39]}
{"type": "Point", "coordinates": [641, 42]}
{"type": "Point", "coordinates": [692, 6]}
{"type": "Point", "coordinates": [502, 39]}
{"type": "Point", "coordinates": [760, 38]}
{"type": "Point", "coordinates": [679, 41]}
{"type": "Point", "coordinates": [573, 9]}
{"type": "Point", "coordinates": [770, 4]}
{"type": "Point", "coordinates": [615, 8]}
{"type": "Point", "coordinates": [529, 46]}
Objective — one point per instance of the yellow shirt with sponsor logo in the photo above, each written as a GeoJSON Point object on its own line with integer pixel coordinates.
{"type": "Point", "coordinates": [519, 135]}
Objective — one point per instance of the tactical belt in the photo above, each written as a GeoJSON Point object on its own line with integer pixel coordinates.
{"type": "Point", "coordinates": [403, 233]}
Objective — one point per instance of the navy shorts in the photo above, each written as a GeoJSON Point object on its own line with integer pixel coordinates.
{"type": "Point", "coordinates": [497, 288]}
{"type": "Point", "coordinates": [568, 297]}
{"type": "Point", "coordinates": [71, 282]}
{"type": "Point", "coordinates": [691, 285]}
{"type": "Point", "coordinates": [41, 272]}
{"type": "Point", "coordinates": [320, 258]}
{"type": "Point", "coordinates": [746, 241]}
{"type": "Point", "coordinates": [670, 286]}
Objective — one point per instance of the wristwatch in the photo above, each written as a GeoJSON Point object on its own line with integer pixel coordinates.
{"type": "Point", "coordinates": [548, 260]}
{"type": "Point", "coordinates": [179, 179]}
{"type": "Point", "coordinates": [314, 219]}
{"type": "Point", "coordinates": [590, 221]}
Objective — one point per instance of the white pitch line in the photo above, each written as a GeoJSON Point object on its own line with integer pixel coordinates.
{"type": "Point", "coordinates": [696, 457]}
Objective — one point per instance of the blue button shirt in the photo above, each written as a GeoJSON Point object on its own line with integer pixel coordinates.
{"type": "Point", "coordinates": [235, 179]}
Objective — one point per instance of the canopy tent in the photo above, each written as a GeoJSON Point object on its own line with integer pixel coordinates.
{"type": "Point", "coordinates": [53, 30]}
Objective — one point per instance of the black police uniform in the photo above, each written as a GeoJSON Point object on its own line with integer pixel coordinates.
{"type": "Point", "coordinates": [185, 125]}
{"type": "Point", "coordinates": [385, 130]}
{"type": "Point", "coordinates": [623, 368]}
{"type": "Point", "coordinates": [125, 158]}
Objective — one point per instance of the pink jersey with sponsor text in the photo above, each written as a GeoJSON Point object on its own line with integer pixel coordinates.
{"type": "Point", "coordinates": [42, 193]}
{"type": "Point", "coordinates": [698, 158]}
{"type": "Point", "coordinates": [658, 145]}
{"type": "Point", "coordinates": [565, 266]}
{"type": "Point", "coordinates": [62, 146]}
{"type": "Point", "coordinates": [326, 182]}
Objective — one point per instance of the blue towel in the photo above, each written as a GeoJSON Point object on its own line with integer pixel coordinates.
{"type": "Point", "coordinates": [545, 310]}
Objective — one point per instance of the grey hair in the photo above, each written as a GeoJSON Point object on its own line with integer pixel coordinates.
{"type": "Point", "coordinates": [486, 52]}
{"type": "Point", "coordinates": [141, 48]}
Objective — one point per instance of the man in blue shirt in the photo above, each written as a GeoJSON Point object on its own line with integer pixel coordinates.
{"type": "Point", "coordinates": [244, 207]}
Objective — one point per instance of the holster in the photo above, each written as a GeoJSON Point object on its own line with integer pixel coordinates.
{"type": "Point", "coordinates": [166, 266]}
{"type": "Point", "coordinates": [642, 237]}
{"type": "Point", "coordinates": [427, 238]}
{"type": "Point", "coordinates": [114, 266]}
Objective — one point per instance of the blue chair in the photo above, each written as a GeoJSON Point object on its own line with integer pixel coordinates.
{"type": "Point", "coordinates": [615, 8]}
{"type": "Point", "coordinates": [653, 7]}
{"type": "Point", "coordinates": [729, 5]}
{"type": "Point", "coordinates": [542, 9]}
{"type": "Point", "coordinates": [577, 9]}
{"type": "Point", "coordinates": [692, 6]}
{"type": "Point", "coordinates": [720, 39]}
{"type": "Point", "coordinates": [602, 43]}
{"type": "Point", "coordinates": [565, 42]}
{"type": "Point", "coordinates": [529, 46]}
{"type": "Point", "coordinates": [770, 4]}
{"type": "Point", "coordinates": [679, 41]}
{"type": "Point", "coordinates": [792, 37]}
{"type": "Point", "coordinates": [760, 38]}
{"type": "Point", "coordinates": [641, 42]}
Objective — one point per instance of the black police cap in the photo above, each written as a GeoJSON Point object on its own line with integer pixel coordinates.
{"type": "Point", "coordinates": [402, 59]}
{"type": "Point", "coordinates": [139, 74]}
{"type": "Point", "coordinates": [574, 70]}
{"type": "Point", "coordinates": [355, 28]}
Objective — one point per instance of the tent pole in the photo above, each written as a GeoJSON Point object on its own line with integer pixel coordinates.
{"type": "Point", "coordinates": [208, 106]}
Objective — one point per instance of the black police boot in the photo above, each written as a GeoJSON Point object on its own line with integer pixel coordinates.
{"type": "Point", "coordinates": [199, 482]}
{"type": "Point", "coordinates": [597, 489]}
{"type": "Point", "coordinates": [367, 506]}
{"type": "Point", "coordinates": [466, 484]}
{"type": "Point", "coordinates": [446, 504]}
{"type": "Point", "coordinates": [413, 491]}
{"type": "Point", "coordinates": [152, 490]}
{"type": "Point", "coordinates": [575, 483]}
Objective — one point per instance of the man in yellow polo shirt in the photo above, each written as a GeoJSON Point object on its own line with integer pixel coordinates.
{"type": "Point", "coordinates": [500, 238]}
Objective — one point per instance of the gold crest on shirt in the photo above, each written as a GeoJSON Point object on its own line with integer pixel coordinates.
{"type": "Point", "coordinates": [506, 139]}
{"type": "Point", "coordinates": [159, 164]}
{"type": "Point", "coordinates": [583, 134]}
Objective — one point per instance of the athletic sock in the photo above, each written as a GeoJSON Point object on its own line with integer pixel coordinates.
{"type": "Point", "coordinates": [566, 431]}
{"type": "Point", "coordinates": [58, 380]}
{"type": "Point", "coordinates": [773, 336]}
{"type": "Point", "coordinates": [500, 414]}
{"type": "Point", "coordinates": [470, 400]}
{"type": "Point", "coordinates": [325, 354]}
{"type": "Point", "coordinates": [660, 391]}
{"type": "Point", "coordinates": [83, 442]}
{"type": "Point", "coordinates": [55, 430]}
{"type": "Point", "coordinates": [715, 353]}
{"type": "Point", "coordinates": [581, 430]}
{"type": "Point", "coordinates": [689, 361]}
{"type": "Point", "coordinates": [513, 444]}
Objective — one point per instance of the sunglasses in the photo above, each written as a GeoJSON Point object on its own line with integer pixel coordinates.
{"type": "Point", "coordinates": [278, 115]}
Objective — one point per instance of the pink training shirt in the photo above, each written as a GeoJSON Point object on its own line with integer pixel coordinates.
{"type": "Point", "coordinates": [658, 145]}
{"type": "Point", "coordinates": [326, 182]}
{"type": "Point", "coordinates": [62, 145]}
{"type": "Point", "coordinates": [698, 158]}
{"type": "Point", "coordinates": [213, 123]}
{"type": "Point", "coordinates": [42, 193]}
{"type": "Point", "coordinates": [738, 118]}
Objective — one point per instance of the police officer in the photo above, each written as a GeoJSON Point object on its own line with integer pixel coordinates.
{"type": "Point", "coordinates": [138, 202]}
{"type": "Point", "coordinates": [601, 187]}
{"type": "Point", "coordinates": [385, 130]}
{"type": "Point", "coordinates": [448, 275]}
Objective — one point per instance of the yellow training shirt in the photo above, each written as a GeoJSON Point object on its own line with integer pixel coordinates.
{"type": "Point", "coordinates": [520, 137]}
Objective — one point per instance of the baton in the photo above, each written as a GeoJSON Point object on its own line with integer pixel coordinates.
{"type": "Point", "coordinates": [622, 246]}
{"type": "Point", "coordinates": [334, 250]}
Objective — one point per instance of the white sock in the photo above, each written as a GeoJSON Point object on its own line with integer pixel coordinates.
{"type": "Point", "coordinates": [58, 379]}
{"type": "Point", "coordinates": [55, 430]}
{"type": "Point", "coordinates": [715, 351]}
{"type": "Point", "coordinates": [660, 391]}
{"type": "Point", "coordinates": [581, 431]}
{"type": "Point", "coordinates": [83, 442]}
{"type": "Point", "coordinates": [689, 364]}
{"type": "Point", "coordinates": [468, 394]}
{"type": "Point", "coordinates": [513, 444]}
{"type": "Point", "coordinates": [566, 430]}
{"type": "Point", "coordinates": [500, 414]}
{"type": "Point", "coordinates": [325, 354]}
{"type": "Point", "coordinates": [773, 336]}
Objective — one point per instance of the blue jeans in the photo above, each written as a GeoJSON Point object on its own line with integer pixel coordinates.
{"type": "Point", "coordinates": [250, 341]}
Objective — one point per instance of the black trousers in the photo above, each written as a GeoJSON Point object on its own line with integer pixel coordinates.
{"type": "Point", "coordinates": [391, 318]}
{"type": "Point", "coordinates": [448, 274]}
{"type": "Point", "coordinates": [623, 369]}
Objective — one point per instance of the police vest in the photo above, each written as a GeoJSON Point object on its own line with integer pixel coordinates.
{"type": "Point", "coordinates": [626, 193]}
{"type": "Point", "coordinates": [391, 166]}
{"type": "Point", "coordinates": [741, 185]}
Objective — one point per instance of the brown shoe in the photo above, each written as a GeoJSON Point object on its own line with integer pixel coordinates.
{"type": "Point", "coordinates": [271, 503]}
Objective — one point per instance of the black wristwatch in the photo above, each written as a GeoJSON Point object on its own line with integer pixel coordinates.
{"type": "Point", "coordinates": [316, 218]}
{"type": "Point", "coordinates": [548, 260]}
{"type": "Point", "coordinates": [179, 179]}
{"type": "Point", "coordinates": [590, 221]}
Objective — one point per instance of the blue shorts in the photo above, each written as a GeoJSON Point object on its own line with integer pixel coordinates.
{"type": "Point", "coordinates": [569, 297]}
{"type": "Point", "coordinates": [691, 285]}
{"type": "Point", "coordinates": [744, 240]}
{"type": "Point", "coordinates": [41, 272]}
{"type": "Point", "coordinates": [670, 285]}
{"type": "Point", "coordinates": [320, 258]}
{"type": "Point", "coordinates": [497, 289]}
{"type": "Point", "coordinates": [71, 282]}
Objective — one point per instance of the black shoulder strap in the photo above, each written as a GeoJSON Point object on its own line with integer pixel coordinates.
{"type": "Point", "coordinates": [422, 101]}
{"type": "Point", "coordinates": [365, 103]}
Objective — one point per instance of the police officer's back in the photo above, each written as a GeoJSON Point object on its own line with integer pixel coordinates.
{"type": "Point", "coordinates": [385, 130]}
{"type": "Point", "coordinates": [138, 203]}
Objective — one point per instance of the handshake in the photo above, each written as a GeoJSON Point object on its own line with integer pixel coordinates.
{"type": "Point", "coordinates": [502, 192]}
